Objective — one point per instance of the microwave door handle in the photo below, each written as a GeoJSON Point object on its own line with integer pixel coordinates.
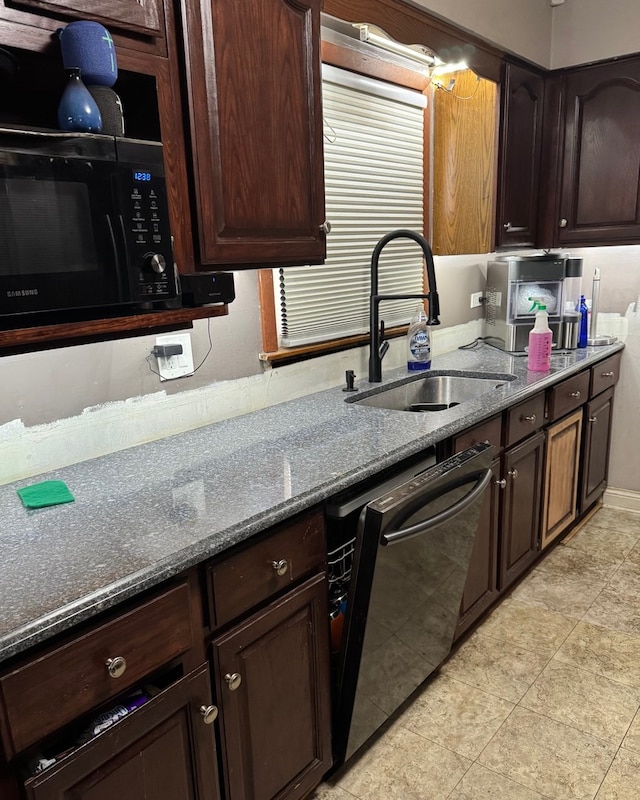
{"type": "Point", "coordinates": [116, 257]}
{"type": "Point", "coordinates": [482, 480]}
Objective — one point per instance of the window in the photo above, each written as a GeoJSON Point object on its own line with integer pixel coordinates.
{"type": "Point", "coordinates": [374, 179]}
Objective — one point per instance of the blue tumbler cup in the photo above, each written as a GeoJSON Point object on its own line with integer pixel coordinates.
{"type": "Point", "coordinates": [88, 46]}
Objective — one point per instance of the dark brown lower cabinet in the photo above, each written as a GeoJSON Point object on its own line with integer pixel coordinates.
{"type": "Point", "coordinates": [163, 751]}
{"type": "Point", "coordinates": [272, 682]}
{"type": "Point", "coordinates": [595, 453]}
{"type": "Point", "coordinates": [522, 473]}
{"type": "Point", "coordinates": [481, 587]}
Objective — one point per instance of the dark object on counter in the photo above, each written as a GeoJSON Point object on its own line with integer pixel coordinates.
{"type": "Point", "coordinates": [584, 322]}
{"type": "Point", "coordinates": [570, 330]}
{"type": "Point", "coordinates": [46, 493]}
{"type": "Point", "coordinates": [349, 377]}
{"type": "Point", "coordinates": [110, 107]}
{"type": "Point", "coordinates": [203, 288]}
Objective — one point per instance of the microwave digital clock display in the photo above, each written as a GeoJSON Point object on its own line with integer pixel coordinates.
{"type": "Point", "coordinates": [141, 176]}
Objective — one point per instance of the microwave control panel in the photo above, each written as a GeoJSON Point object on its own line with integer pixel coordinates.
{"type": "Point", "coordinates": [146, 228]}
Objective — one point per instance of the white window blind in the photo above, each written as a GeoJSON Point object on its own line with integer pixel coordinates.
{"type": "Point", "coordinates": [374, 150]}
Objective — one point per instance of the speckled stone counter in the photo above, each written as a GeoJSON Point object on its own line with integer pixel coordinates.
{"type": "Point", "coordinates": [143, 515]}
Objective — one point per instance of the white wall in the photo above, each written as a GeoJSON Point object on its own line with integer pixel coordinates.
{"type": "Point", "coordinates": [591, 30]}
{"type": "Point", "coordinates": [52, 384]}
{"type": "Point", "coordinates": [517, 26]}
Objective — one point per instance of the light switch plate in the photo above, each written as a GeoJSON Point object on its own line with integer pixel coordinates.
{"type": "Point", "coordinates": [175, 366]}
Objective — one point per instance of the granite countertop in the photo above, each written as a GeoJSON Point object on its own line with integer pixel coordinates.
{"type": "Point", "coordinates": [145, 514]}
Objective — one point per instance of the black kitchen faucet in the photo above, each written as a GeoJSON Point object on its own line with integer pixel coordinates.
{"type": "Point", "coordinates": [378, 346]}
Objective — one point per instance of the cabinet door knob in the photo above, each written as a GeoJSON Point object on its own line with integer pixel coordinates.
{"type": "Point", "coordinates": [577, 395]}
{"type": "Point", "coordinates": [325, 227]}
{"type": "Point", "coordinates": [116, 666]}
{"type": "Point", "coordinates": [502, 483]}
{"type": "Point", "coordinates": [233, 679]}
{"type": "Point", "coordinates": [563, 223]}
{"type": "Point", "coordinates": [513, 473]}
{"type": "Point", "coordinates": [507, 226]}
{"type": "Point", "coordinates": [280, 566]}
{"type": "Point", "coordinates": [593, 420]}
{"type": "Point", "coordinates": [531, 418]}
{"type": "Point", "coordinates": [209, 714]}
{"type": "Point", "coordinates": [607, 374]}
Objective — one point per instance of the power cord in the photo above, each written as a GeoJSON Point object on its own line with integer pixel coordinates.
{"type": "Point", "coordinates": [161, 350]}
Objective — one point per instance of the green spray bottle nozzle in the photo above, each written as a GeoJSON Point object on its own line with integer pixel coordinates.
{"type": "Point", "coordinates": [536, 304]}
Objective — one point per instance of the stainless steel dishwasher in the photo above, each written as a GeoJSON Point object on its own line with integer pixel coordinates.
{"type": "Point", "coordinates": [401, 595]}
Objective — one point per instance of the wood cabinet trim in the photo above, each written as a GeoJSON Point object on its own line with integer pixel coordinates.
{"type": "Point", "coordinates": [560, 493]}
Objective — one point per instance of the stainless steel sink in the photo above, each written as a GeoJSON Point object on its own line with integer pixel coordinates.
{"type": "Point", "coordinates": [435, 391]}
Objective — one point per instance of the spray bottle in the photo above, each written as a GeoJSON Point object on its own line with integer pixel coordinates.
{"type": "Point", "coordinates": [540, 340]}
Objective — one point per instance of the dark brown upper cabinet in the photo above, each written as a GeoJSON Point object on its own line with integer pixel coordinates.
{"type": "Point", "coordinates": [255, 107]}
{"type": "Point", "coordinates": [520, 149]}
{"type": "Point", "coordinates": [141, 16]}
{"type": "Point", "coordinates": [599, 186]}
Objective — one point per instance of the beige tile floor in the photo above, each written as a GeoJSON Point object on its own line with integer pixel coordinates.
{"type": "Point", "coordinates": [542, 701]}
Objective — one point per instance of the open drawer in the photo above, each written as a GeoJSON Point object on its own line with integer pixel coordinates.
{"type": "Point", "coordinates": [165, 749]}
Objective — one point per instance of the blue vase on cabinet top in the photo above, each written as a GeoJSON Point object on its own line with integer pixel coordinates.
{"type": "Point", "coordinates": [77, 110]}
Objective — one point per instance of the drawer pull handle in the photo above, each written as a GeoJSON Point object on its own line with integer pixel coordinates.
{"type": "Point", "coordinates": [531, 418]}
{"type": "Point", "coordinates": [593, 420]}
{"type": "Point", "coordinates": [577, 395]}
{"type": "Point", "coordinates": [233, 679]}
{"type": "Point", "coordinates": [116, 666]}
{"type": "Point", "coordinates": [513, 473]}
{"type": "Point", "coordinates": [280, 566]}
{"type": "Point", "coordinates": [209, 714]}
{"type": "Point", "coordinates": [607, 374]}
{"type": "Point", "coordinates": [502, 483]}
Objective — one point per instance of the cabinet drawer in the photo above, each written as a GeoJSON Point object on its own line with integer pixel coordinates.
{"type": "Point", "coordinates": [489, 431]}
{"type": "Point", "coordinates": [567, 395]}
{"type": "Point", "coordinates": [524, 419]}
{"type": "Point", "coordinates": [46, 693]}
{"type": "Point", "coordinates": [605, 374]}
{"type": "Point", "coordinates": [242, 581]}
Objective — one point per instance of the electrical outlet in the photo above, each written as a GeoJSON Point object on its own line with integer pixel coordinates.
{"type": "Point", "coordinates": [175, 366]}
{"type": "Point", "coordinates": [476, 300]}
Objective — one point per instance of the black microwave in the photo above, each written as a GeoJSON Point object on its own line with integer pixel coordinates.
{"type": "Point", "coordinates": [83, 223]}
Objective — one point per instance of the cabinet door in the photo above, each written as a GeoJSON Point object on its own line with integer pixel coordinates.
{"type": "Point", "coordinates": [481, 587]}
{"type": "Point", "coordinates": [253, 79]}
{"type": "Point", "coordinates": [562, 461]}
{"type": "Point", "coordinates": [600, 190]}
{"type": "Point", "coordinates": [141, 16]}
{"type": "Point", "coordinates": [163, 750]}
{"type": "Point", "coordinates": [520, 512]}
{"type": "Point", "coordinates": [522, 101]}
{"type": "Point", "coordinates": [272, 679]}
{"type": "Point", "coordinates": [597, 440]}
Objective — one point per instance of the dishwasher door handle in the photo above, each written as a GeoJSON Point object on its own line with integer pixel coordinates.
{"type": "Point", "coordinates": [481, 481]}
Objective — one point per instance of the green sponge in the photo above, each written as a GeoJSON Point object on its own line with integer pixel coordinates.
{"type": "Point", "coordinates": [47, 493]}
